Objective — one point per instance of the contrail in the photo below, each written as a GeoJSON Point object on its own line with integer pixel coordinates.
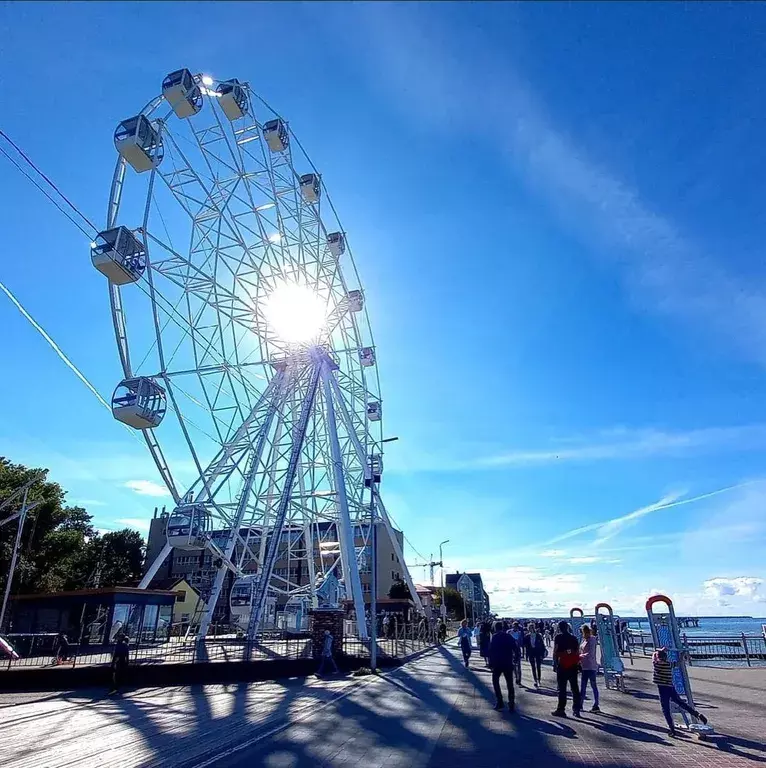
{"type": "Point", "coordinates": [54, 346]}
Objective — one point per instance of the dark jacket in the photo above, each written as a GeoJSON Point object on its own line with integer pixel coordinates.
{"type": "Point", "coordinates": [504, 651]}
{"type": "Point", "coordinates": [535, 645]}
{"type": "Point", "coordinates": [566, 650]}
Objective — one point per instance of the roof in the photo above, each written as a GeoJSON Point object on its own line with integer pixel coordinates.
{"type": "Point", "coordinates": [172, 583]}
{"type": "Point", "coordinates": [104, 591]}
{"type": "Point", "coordinates": [452, 578]}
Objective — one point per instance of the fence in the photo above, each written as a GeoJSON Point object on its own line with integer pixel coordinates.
{"type": "Point", "coordinates": [407, 639]}
{"type": "Point", "coordinates": [741, 648]}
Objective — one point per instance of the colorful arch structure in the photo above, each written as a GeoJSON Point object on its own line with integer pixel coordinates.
{"type": "Point", "coordinates": [576, 619]}
{"type": "Point", "coordinates": [610, 650]}
{"type": "Point", "coordinates": [665, 634]}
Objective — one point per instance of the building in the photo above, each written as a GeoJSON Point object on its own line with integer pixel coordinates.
{"type": "Point", "coordinates": [470, 585]}
{"type": "Point", "coordinates": [427, 593]}
{"type": "Point", "coordinates": [94, 616]}
{"type": "Point", "coordinates": [197, 568]}
{"type": "Point", "coordinates": [188, 602]}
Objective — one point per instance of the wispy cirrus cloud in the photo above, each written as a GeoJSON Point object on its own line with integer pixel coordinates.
{"type": "Point", "coordinates": [632, 444]}
{"type": "Point", "coordinates": [663, 269]}
{"type": "Point", "coordinates": [147, 488]}
{"type": "Point", "coordinates": [139, 523]}
{"type": "Point", "coordinates": [607, 529]}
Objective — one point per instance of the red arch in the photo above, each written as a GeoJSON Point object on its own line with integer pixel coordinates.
{"type": "Point", "coordinates": [658, 599]}
{"type": "Point", "coordinates": [572, 610]}
{"type": "Point", "coordinates": [603, 605]}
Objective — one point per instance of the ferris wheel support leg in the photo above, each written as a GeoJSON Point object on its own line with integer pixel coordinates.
{"type": "Point", "coordinates": [154, 567]}
{"type": "Point", "coordinates": [267, 567]}
{"type": "Point", "coordinates": [241, 508]}
{"type": "Point", "coordinates": [398, 551]}
{"type": "Point", "coordinates": [347, 549]}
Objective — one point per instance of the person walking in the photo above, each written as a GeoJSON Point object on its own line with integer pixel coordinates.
{"type": "Point", "coordinates": [663, 679]}
{"type": "Point", "coordinates": [566, 655]}
{"type": "Point", "coordinates": [120, 662]}
{"type": "Point", "coordinates": [589, 665]}
{"type": "Point", "coordinates": [485, 636]}
{"type": "Point", "coordinates": [61, 647]}
{"type": "Point", "coordinates": [536, 652]}
{"type": "Point", "coordinates": [464, 635]}
{"type": "Point", "coordinates": [518, 635]}
{"type": "Point", "coordinates": [504, 654]}
{"type": "Point", "coordinates": [326, 656]}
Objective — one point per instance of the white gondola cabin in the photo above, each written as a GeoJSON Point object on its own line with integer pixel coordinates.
{"type": "Point", "coordinates": [242, 600]}
{"type": "Point", "coordinates": [232, 98]}
{"type": "Point", "coordinates": [367, 356]}
{"type": "Point", "coordinates": [311, 187]}
{"type": "Point", "coordinates": [375, 469]}
{"type": "Point", "coordinates": [138, 141]}
{"type": "Point", "coordinates": [182, 92]}
{"type": "Point", "coordinates": [355, 300]}
{"type": "Point", "coordinates": [118, 254]}
{"type": "Point", "coordinates": [374, 410]}
{"type": "Point", "coordinates": [139, 402]}
{"type": "Point", "coordinates": [187, 527]}
{"type": "Point", "coordinates": [336, 242]}
{"type": "Point", "coordinates": [276, 135]}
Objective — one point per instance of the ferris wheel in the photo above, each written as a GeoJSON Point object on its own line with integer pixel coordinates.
{"type": "Point", "coordinates": [248, 360]}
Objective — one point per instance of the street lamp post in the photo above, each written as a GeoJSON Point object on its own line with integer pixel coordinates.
{"type": "Point", "coordinates": [374, 571]}
{"type": "Point", "coordinates": [441, 562]}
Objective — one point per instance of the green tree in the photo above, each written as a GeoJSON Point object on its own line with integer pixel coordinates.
{"type": "Point", "coordinates": [60, 549]}
{"type": "Point", "coordinates": [399, 591]}
{"type": "Point", "coordinates": [453, 600]}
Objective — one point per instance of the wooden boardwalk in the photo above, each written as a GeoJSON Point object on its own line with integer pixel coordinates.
{"type": "Point", "coordinates": [429, 713]}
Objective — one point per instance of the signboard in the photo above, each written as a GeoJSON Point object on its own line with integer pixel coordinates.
{"type": "Point", "coordinates": [465, 586]}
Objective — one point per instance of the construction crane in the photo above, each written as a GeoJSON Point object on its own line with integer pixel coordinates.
{"type": "Point", "coordinates": [432, 564]}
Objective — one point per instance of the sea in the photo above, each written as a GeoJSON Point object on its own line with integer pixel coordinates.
{"type": "Point", "coordinates": [718, 626]}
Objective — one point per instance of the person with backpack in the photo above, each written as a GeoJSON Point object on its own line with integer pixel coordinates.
{"type": "Point", "coordinates": [534, 644]}
{"type": "Point", "coordinates": [504, 655]}
{"type": "Point", "coordinates": [566, 655]}
{"type": "Point", "coordinates": [663, 679]}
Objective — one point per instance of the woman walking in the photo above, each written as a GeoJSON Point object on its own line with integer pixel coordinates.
{"type": "Point", "coordinates": [464, 640]}
{"type": "Point", "coordinates": [485, 637]}
{"type": "Point", "coordinates": [536, 652]}
{"type": "Point", "coordinates": [589, 665]}
{"type": "Point", "coordinates": [518, 635]}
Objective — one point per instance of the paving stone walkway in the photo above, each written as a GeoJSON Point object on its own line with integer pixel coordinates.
{"type": "Point", "coordinates": [430, 713]}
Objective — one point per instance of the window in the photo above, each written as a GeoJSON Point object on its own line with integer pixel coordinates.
{"type": "Point", "coordinates": [393, 576]}
{"type": "Point", "coordinates": [180, 595]}
{"type": "Point", "coordinates": [366, 589]}
{"type": "Point", "coordinates": [392, 557]}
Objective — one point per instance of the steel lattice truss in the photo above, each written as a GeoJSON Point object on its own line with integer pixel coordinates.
{"type": "Point", "coordinates": [263, 434]}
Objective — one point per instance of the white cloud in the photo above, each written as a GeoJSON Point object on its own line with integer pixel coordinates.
{"type": "Point", "coordinates": [622, 444]}
{"type": "Point", "coordinates": [740, 586]}
{"type": "Point", "coordinates": [138, 523]}
{"type": "Point", "coordinates": [147, 488]}
{"type": "Point", "coordinates": [552, 553]}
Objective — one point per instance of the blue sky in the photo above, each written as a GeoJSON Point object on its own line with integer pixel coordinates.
{"type": "Point", "coordinates": [557, 213]}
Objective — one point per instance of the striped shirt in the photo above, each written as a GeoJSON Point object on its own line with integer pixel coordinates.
{"type": "Point", "coordinates": [663, 673]}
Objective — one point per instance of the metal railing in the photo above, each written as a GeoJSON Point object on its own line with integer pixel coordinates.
{"type": "Point", "coordinates": [740, 648]}
{"type": "Point", "coordinates": [407, 640]}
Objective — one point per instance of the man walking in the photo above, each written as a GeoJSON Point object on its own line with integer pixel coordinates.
{"type": "Point", "coordinates": [504, 655]}
{"type": "Point", "coordinates": [327, 653]}
{"type": "Point", "coordinates": [120, 663]}
{"type": "Point", "coordinates": [566, 656]}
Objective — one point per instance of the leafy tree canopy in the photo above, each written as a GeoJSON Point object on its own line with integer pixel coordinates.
{"type": "Point", "coordinates": [399, 591]}
{"type": "Point", "coordinates": [60, 549]}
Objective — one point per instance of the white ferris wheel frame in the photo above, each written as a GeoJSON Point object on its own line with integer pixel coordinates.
{"type": "Point", "coordinates": [310, 407]}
